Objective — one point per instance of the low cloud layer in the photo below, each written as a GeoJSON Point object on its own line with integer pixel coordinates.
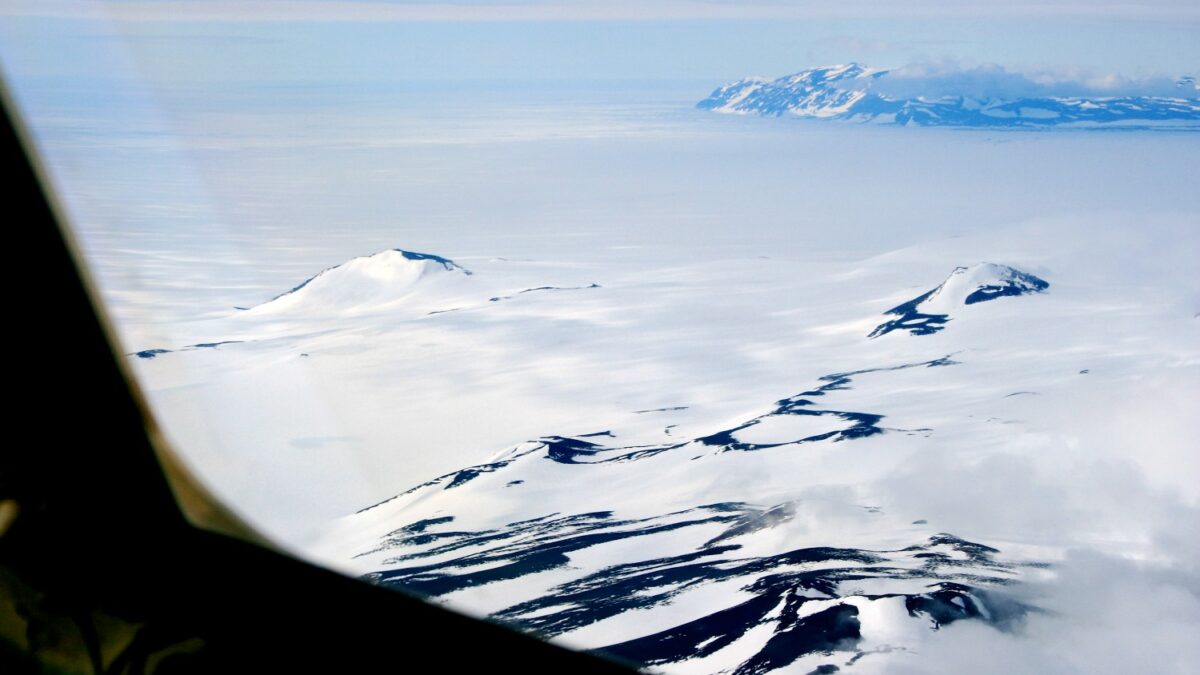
{"type": "Point", "coordinates": [1108, 476]}
{"type": "Point", "coordinates": [1100, 614]}
{"type": "Point", "coordinates": [940, 79]}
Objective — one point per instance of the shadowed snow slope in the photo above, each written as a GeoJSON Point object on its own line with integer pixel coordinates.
{"type": "Point", "coordinates": [845, 92]}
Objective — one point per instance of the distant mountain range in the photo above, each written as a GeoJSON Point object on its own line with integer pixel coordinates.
{"type": "Point", "coordinates": [845, 92]}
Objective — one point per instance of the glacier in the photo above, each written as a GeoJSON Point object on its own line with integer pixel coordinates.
{"type": "Point", "coordinates": [788, 518]}
{"type": "Point", "coordinates": [689, 584]}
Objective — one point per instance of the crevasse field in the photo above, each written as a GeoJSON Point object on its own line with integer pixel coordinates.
{"type": "Point", "coordinates": [595, 363]}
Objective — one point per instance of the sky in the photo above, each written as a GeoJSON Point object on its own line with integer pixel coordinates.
{"type": "Point", "coordinates": [209, 41]}
{"type": "Point", "coordinates": [506, 10]}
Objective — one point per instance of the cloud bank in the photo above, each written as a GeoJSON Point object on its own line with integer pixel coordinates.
{"type": "Point", "coordinates": [946, 78]}
{"type": "Point", "coordinates": [1100, 614]}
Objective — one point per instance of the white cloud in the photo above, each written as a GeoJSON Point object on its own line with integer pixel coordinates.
{"type": "Point", "coordinates": [950, 78]}
{"type": "Point", "coordinates": [1126, 595]}
{"type": "Point", "coordinates": [1101, 614]}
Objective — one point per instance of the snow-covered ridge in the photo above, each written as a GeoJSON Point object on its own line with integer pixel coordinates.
{"type": "Point", "coordinates": [365, 281]}
{"type": "Point", "coordinates": [927, 313]}
{"type": "Point", "coordinates": [846, 92]}
{"type": "Point", "coordinates": [701, 534]}
{"type": "Point", "coordinates": [392, 285]}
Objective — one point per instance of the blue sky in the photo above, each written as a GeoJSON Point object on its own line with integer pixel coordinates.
{"type": "Point", "coordinates": [288, 41]}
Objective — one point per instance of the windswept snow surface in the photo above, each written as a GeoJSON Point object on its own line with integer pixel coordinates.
{"type": "Point", "coordinates": [650, 420]}
{"type": "Point", "coordinates": [719, 519]}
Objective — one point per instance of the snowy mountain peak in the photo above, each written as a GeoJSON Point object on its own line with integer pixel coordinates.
{"type": "Point", "coordinates": [816, 92]}
{"type": "Point", "coordinates": [847, 92]}
{"type": "Point", "coordinates": [979, 283]}
{"type": "Point", "coordinates": [446, 263]}
{"type": "Point", "coordinates": [371, 280]}
{"type": "Point", "coordinates": [928, 312]}
{"type": "Point", "coordinates": [848, 71]}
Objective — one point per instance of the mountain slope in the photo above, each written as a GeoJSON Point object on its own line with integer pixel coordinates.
{"type": "Point", "coordinates": [367, 282]}
{"type": "Point", "coordinates": [695, 552]}
{"type": "Point", "coordinates": [845, 92]}
{"type": "Point", "coordinates": [928, 312]}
